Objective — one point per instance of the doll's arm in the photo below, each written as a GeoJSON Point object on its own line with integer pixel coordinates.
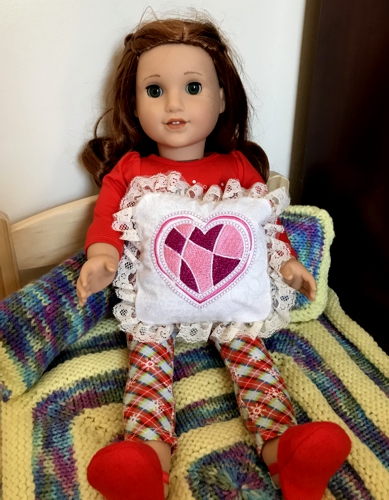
{"type": "Point", "coordinates": [98, 271]}
{"type": "Point", "coordinates": [103, 244]}
{"type": "Point", "coordinates": [299, 278]}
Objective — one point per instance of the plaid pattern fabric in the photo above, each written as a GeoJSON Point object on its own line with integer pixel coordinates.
{"type": "Point", "coordinates": [260, 391]}
{"type": "Point", "coordinates": [148, 404]}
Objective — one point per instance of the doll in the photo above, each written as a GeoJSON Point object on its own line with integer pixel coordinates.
{"type": "Point", "coordinates": [205, 257]}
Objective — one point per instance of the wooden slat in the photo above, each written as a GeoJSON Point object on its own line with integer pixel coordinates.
{"type": "Point", "coordinates": [28, 275]}
{"type": "Point", "coordinates": [276, 181]}
{"type": "Point", "coordinates": [9, 276]}
{"type": "Point", "coordinates": [50, 237]}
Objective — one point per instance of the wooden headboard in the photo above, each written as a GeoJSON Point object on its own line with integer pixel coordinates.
{"type": "Point", "coordinates": [33, 246]}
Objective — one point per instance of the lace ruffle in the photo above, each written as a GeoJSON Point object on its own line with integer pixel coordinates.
{"type": "Point", "coordinates": [283, 296]}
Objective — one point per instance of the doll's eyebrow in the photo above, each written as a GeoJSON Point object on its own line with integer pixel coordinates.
{"type": "Point", "coordinates": [186, 73]}
{"type": "Point", "coordinates": [152, 76]}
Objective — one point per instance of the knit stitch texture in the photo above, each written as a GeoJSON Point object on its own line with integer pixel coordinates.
{"type": "Point", "coordinates": [333, 370]}
{"type": "Point", "coordinates": [40, 321]}
{"type": "Point", "coordinates": [311, 232]}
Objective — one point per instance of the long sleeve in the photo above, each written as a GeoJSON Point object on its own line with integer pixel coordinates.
{"type": "Point", "coordinates": [112, 191]}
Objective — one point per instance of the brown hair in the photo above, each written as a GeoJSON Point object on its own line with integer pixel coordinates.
{"type": "Point", "coordinates": [124, 130]}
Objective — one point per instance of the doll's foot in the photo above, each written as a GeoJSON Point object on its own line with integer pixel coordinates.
{"type": "Point", "coordinates": [128, 470]}
{"type": "Point", "coordinates": [308, 456]}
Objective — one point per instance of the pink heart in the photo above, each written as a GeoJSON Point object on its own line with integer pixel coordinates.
{"type": "Point", "coordinates": [202, 258]}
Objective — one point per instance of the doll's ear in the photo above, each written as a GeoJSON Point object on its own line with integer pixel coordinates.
{"type": "Point", "coordinates": [222, 101]}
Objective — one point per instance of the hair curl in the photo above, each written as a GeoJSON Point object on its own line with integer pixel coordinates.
{"type": "Point", "coordinates": [124, 130]}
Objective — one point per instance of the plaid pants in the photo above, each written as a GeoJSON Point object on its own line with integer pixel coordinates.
{"type": "Point", "coordinates": [260, 390]}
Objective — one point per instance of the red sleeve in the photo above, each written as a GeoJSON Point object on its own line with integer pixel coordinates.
{"type": "Point", "coordinates": [113, 189]}
{"type": "Point", "coordinates": [247, 177]}
{"type": "Point", "coordinates": [247, 173]}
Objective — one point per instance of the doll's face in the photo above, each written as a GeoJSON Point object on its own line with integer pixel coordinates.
{"type": "Point", "coordinates": [178, 99]}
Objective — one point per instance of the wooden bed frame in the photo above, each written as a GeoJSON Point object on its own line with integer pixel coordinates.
{"type": "Point", "coordinates": [33, 246]}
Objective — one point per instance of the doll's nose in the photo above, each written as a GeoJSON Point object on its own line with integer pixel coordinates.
{"type": "Point", "coordinates": [174, 102]}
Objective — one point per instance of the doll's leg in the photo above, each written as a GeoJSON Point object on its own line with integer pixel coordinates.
{"type": "Point", "coordinates": [261, 393]}
{"type": "Point", "coordinates": [148, 404]}
{"type": "Point", "coordinates": [301, 458]}
{"type": "Point", "coordinates": [138, 466]}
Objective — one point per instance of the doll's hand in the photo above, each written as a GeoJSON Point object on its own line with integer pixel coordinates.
{"type": "Point", "coordinates": [96, 274]}
{"type": "Point", "coordinates": [98, 271]}
{"type": "Point", "coordinates": [299, 278]}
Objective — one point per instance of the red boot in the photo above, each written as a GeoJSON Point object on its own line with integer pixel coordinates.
{"type": "Point", "coordinates": [308, 456]}
{"type": "Point", "coordinates": [128, 470]}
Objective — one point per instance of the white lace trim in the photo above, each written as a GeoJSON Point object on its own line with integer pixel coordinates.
{"type": "Point", "coordinates": [283, 296]}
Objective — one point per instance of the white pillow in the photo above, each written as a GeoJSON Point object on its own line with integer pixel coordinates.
{"type": "Point", "coordinates": [201, 260]}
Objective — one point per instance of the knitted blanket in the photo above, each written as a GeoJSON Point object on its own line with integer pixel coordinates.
{"type": "Point", "coordinates": [333, 370]}
{"type": "Point", "coordinates": [63, 371]}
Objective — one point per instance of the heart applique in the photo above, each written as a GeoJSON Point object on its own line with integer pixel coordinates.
{"type": "Point", "coordinates": [201, 259]}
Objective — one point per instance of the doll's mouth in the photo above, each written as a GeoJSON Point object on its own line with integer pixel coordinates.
{"type": "Point", "coordinates": [176, 123]}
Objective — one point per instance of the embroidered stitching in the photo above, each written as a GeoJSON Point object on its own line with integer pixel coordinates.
{"type": "Point", "coordinates": [182, 233]}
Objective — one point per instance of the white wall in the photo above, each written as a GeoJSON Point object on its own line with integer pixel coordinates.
{"type": "Point", "coordinates": [55, 57]}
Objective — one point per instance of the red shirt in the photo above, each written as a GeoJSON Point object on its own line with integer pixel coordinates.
{"type": "Point", "coordinates": [213, 169]}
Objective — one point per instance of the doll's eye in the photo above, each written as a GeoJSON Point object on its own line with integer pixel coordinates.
{"type": "Point", "coordinates": [154, 91]}
{"type": "Point", "coordinates": [193, 88]}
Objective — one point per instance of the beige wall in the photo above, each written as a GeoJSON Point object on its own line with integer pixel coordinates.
{"type": "Point", "coordinates": [54, 61]}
